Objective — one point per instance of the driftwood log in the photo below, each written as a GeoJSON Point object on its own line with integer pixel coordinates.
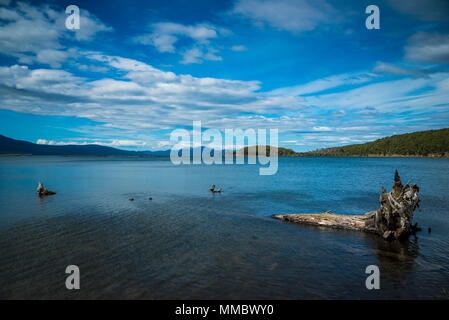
{"type": "Point", "coordinates": [393, 220]}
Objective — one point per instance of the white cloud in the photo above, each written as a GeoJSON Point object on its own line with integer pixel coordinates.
{"type": "Point", "coordinates": [390, 68]}
{"type": "Point", "coordinates": [163, 43]}
{"type": "Point", "coordinates": [382, 67]}
{"type": "Point", "coordinates": [90, 25]}
{"type": "Point", "coordinates": [33, 34]}
{"type": "Point", "coordinates": [83, 142]}
{"type": "Point", "coordinates": [199, 32]}
{"type": "Point", "coordinates": [139, 99]}
{"type": "Point", "coordinates": [211, 55]}
{"type": "Point", "coordinates": [8, 14]}
{"type": "Point", "coordinates": [125, 143]}
{"type": "Point", "coordinates": [354, 128]}
{"type": "Point", "coordinates": [165, 35]}
{"type": "Point", "coordinates": [53, 58]}
{"type": "Point", "coordinates": [193, 55]}
{"type": "Point", "coordinates": [42, 141]}
{"type": "Point", "coordinates": [291, 15]}
{"type": "Point", "coordinates": [330, 82]}
{"type": "Point", "coordinates": [198, 55]}
{"type": "Point", "coordinates": [44, 80]}
{"type": "Point", "coordinates": [428, 47]}
{"type": "Point", "coordinates": [239, 48]}
{"type": "Point", "coordinates": [145, 99]}
{"type": "Point", "coordinates": [322, 128]}
{"type": "Point", "coordinates": [408, 94]}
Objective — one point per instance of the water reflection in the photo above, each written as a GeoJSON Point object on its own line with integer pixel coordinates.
{"type": "Point", "coordinates": [396, 257]}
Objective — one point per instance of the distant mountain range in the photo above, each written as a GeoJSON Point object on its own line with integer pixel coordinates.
{"type": "Point", "coordinates": [18, 147]}
{"type": "Point", "coordinates": [431, 143]}
{"type": "Point", "coordinates": [10, 146]}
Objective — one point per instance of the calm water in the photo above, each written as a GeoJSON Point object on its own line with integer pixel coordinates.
{"type": "Point", "coordinates": [189, 243]}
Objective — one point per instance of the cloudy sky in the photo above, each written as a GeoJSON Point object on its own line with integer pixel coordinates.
{"type": "Point", "coordinates": [136, 70]}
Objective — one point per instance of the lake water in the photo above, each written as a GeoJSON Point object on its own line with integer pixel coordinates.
{"type": "Point", "coordinates": [190, 244]}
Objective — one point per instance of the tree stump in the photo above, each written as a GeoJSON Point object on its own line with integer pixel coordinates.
{"type": "Point", "coordinates": [393, 220]}
{"type": "Point", "coordinates": [42, 191]}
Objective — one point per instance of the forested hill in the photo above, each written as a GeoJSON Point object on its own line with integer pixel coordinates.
{"type": "Point", "coordinates": [269, 150]}
{"type": "Point", "coordinates": [432, 143]}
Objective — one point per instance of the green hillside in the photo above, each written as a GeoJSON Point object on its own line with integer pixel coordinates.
{"type": "Point", "coordinates": [282, 152]}
{"type": "Point", "coordinates": [432, 143]}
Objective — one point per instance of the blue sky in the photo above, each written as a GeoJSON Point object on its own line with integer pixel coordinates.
{"type": "Point", "coordinates": [136, 70]}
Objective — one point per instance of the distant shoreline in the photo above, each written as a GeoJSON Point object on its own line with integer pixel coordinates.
{"type": "Point", "coordinates": [425, 144]}
{"type": "Point", "coordinates": [282, 156]}
{"type": "Point", "coordinates": [432, 156]}
{"type": "Point", "coordinates": [74, 155]}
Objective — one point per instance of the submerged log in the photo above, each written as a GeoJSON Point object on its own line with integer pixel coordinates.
{"type": "Point", "coordinates": [42, 191]}
{"type": "Point", "coordinates": [393, 220]}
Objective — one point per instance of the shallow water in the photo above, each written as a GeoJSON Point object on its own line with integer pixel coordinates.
{"type": "Point", "coordinates": [190, 244]}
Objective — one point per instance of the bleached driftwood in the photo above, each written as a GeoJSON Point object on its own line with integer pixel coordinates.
{"type": "Point", "coordinates": [392, 220]}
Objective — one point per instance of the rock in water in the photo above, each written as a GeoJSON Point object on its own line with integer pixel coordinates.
{"type": "Point", "coordinates": [42, 191]}
{"type": "Point", "coordinates": [393, 220]}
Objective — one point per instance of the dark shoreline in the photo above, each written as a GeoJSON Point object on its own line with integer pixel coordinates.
{"type": "Point", "coordinates": [168, 156]}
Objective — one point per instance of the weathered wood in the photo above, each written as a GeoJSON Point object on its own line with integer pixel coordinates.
{"type": "Point", "coordinates": [42, 191]}
{"type": "Point", "coordinates": [212, 189]}
{"type": "Point", "coordinates": [392, 220]}
{"type": "Point", "coordinates": [338, 221]}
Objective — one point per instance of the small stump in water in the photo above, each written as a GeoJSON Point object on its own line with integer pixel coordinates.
{"type": "Point", "coordinates": [213, 190]}
{"type": "Point", "coordinates": [42, 191]}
